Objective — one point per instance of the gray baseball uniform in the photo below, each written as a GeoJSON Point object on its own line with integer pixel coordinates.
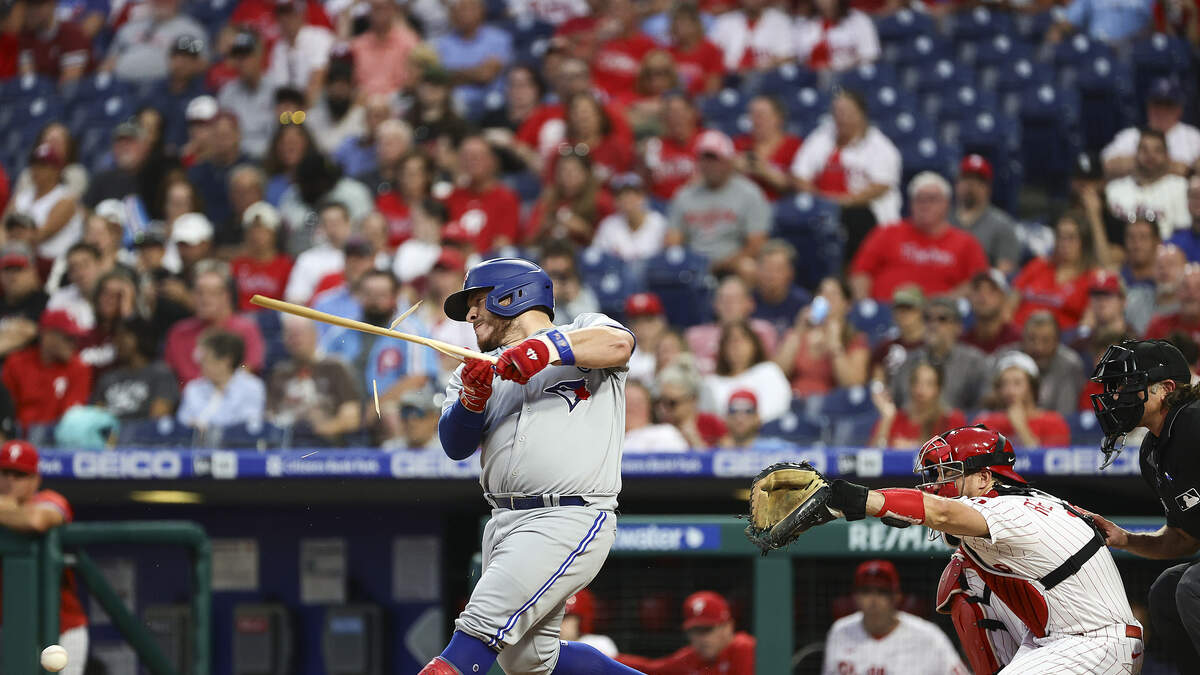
{"type": "Point", "coordinates": [559, 435]}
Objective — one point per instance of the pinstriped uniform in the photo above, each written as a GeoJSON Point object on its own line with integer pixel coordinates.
{"type": "Point", "coordinates": [1079, 625]}
{"type": "Point", "coordinates": [560, 434]}
{"type": "Point", "coordinates": [914, 647]}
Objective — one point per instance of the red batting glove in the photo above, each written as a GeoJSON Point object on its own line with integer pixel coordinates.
{"type": "Point", "coordinates": [477, 384]}
{"type": "Point", "coordinates": [523, 361]}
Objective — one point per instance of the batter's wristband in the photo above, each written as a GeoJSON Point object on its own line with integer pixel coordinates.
{"type": "Point", "coordinates": [563, 345]}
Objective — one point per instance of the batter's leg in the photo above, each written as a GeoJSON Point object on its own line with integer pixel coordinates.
{"type": "Point", "coordinates": [1167, 616]}
{"type": "Point", "coordinates": [540, 652]}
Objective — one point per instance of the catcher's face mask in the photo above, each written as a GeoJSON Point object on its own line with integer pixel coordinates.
{"type": "Point", "coordinates": [938, 470]}
{"type": "Point", "coordinates": [1120, 408]}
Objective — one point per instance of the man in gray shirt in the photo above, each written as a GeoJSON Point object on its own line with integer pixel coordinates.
{"type": "Point", "coordinates": [724, 216]}
{"type": "Point", "coordinates": [251, 96]}
{"type": "Point", "coordinates": [964, 368]}
{"type": "Point", "coordinates": [974, 212]}
{"type": "Point", "coordinates": [140, 48]}
{"type": "Point", "coordinates": [1061, 368]}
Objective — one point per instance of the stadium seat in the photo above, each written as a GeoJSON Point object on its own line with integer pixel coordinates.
{"type": "Point", "coordinates": [1048, 138]}
{"type": "Point", "coordinates": [526, 184]}
{"type": "Point", "coordinates": [271, 327]}
{"type": "Point", "coordinates": [872, 318]}
{"type": "Point", "coordinates": [869, 77]}
{"type": "Point", "coordinates": [928, 154]}
{"type": "Point", "coordinates": [963, 102]}
{"type": "Point", "coordinates": [1106, 96]}
{"type": "Point", "coordinates": [161, 432]}
{"type": "Point", "coordinates": [723, 108]}
{"type": "Point", "coordinates": [1032, 27]}
{"type": "Point", "coordinates": [1000, 51]}
{"type": "Point", "coordinates": [921, 51]}
{"type": "Point", "coordinates": [812, 226]}
{"type": "Point", "coordinates": [979, 24]}
{"type": "Point", "coordinates": [808, 106]}
{"type": "Point", "coordinates": [261, 436]}
{"type": "Point", "coordinates": [785, 80]}
{"type": "Point", "coordinates": [906, 127]}
{"type": "Point", "coordinates": [108, 110]}
{"type": "Point", "coordinates": [1085, 430]}
{"type": "Point", "coordinates": [681, 280]}
{"type": "Point", "coordinates": [888, 100]}
{"type": "Point", "coordinates": [1162, 56]}
{"type": "Point", "coordinates": [1022, 73]}
{"type": "Point", "coordinates": [943, 75]}
{"type": "Point", "coordinates": [609, 277]}
{"type": "Point", "coordinates": [793, 426]}
{"type": "Point", "coordinates": [26, 87]}
{"type": "Point", "coordinates": [847, 416]}
{"type": "Point", "coordinates": [904, 25]}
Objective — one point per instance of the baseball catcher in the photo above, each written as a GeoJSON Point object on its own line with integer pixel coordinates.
{"type": "Point", "coordinates": [1042, 558]}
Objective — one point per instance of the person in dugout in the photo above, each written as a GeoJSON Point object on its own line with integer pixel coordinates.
{"type": "Point", "coordinates": [714, 646]}
{"type": "Point", "coordinates": [579, 620]}
{"type": "Point", "coordinates": [25, 507]}
{"type": "Point", "coordinates": [1147, 383]}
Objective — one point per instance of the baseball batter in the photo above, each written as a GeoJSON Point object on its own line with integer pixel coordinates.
{"type": "Point", "coordinates": [1040, 556]}
{"type": "Point", "coordinates": [550, 419]}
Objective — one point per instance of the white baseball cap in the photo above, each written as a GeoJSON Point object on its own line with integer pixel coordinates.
{"type": "Point", "coordinates": [112, 210]}
{"type": "Point", "coordinates": [261, 213]}
{"type": "Point", "coordinates": [202, 109]}
{"type": "Point", "coordinates": [191, 228]}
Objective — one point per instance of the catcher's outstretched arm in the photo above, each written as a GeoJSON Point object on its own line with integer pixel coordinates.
{"type": "Point", "coordinates": [909, 506]}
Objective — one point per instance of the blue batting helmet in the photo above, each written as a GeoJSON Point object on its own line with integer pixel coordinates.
{"type": "Point", "coordinates": [525, 285]}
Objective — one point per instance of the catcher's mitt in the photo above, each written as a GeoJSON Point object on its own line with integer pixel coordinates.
{"type": "Point", "coordinates": [786, 499]}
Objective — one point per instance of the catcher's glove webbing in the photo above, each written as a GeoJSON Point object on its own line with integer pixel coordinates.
{"type": "Point", "coordinates": [786, 499]}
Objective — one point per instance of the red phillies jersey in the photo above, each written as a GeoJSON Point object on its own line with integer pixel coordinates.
{"type": "Point", "coordinates": [669, 164]}
{"type": "Point", "coordinates": [63, 46]}
{"type": "Point", "coordinates": [264, 278]}
{"type": "Point", "coordinates": [615, 66]}
{"type": "Point", "coordinates": [398, 215]}
{"type": "Point", "coordinates": [1038, 290]}
{"type": "Point", "coordinates": [1164, 324]}
{"type": "Point", "coordinates": [486, 215]}
{"type": "Point", "coordinates": [781, 158]}
{"type": "Point", "coordinates": [42, 392]}
{"type": "Point", "coordinates": [70, 612]}
{"type": "Point", "coordinates": [697, 64]}
{"type": "Point", "coordinates": [736, 659]}
{"type": "Point", "coordinates": [1048, 426]}
{"type": "Point", "coordinates": [901, 254]}
{"type": "Point", "coordinates": [546, 127]}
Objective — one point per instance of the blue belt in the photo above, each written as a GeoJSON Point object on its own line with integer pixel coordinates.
{"type": "Point", "coordinates": [537, 502]}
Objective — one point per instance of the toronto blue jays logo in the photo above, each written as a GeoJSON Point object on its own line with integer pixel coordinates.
{"type": "Point", "coordinates": [571, 391]}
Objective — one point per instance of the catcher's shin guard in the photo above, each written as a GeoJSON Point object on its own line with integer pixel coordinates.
{"type": "Point", "coordinates": [972, 626]}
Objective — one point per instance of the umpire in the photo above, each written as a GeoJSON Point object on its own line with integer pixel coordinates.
{"type": "Point", "coordinates": [1147, 383]}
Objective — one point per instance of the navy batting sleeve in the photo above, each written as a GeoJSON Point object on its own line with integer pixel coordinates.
{"type": "Point", "coordinates": [460, 431]}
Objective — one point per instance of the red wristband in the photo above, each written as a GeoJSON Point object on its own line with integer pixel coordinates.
{"type": "Point", "coordinates": [907, 504]}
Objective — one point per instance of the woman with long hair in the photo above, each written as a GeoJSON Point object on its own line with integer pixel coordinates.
{"type": "Point", "coordinates": [1014, 406]}
{"type": "Point", "coordinates": [589, 131]}
{"type": "Point", "coordinates": [290, 144]}
{"type": "Point", "coordinates": [823, 351]}
{"type": "Point", "coordinates": [408, 197]}
{"type": "Point", "coordinates": [925, 415]}
{"type": "Point", "coordinates": [742, 363]}
{"type": "Point", "coordinates": [114, 301]}
{"type": "Point", "coordinates": [571, 206]}
{"type": "Point", "coordinates": [1059, 282]}
{"type": "Point", "coordinates": [74, 175]}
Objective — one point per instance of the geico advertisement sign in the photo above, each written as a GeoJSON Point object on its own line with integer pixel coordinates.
{"type": "Point", "coordinates": [127, 464]}
{"type": "Point", "coordinates": [1086, 461]}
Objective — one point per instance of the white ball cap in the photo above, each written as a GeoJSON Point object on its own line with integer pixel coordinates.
{"type": "Point", "coordinates": [202, 109]}
{"type": "Point", "coordinates": [191, 228]}
{"type": "Point", "coordinates": [261, 213]}
{"type": "Point", "coordinates": [112, 210]}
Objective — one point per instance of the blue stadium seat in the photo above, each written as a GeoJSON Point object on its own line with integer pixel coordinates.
{"type": "Point", "coordinates": [109, 110]}
{"type": "Point", "coordinates": [906, 127]}
{"type": "Point", "coordinates": [847, 416]}
{"type": "Point", "coordinates": [270, 324]}
{"type": "Point", "coordinates": [1078, 50]}
{"type": "Point", "coordinates": [904, 25]}
{"type": "Point", "coordinates": [1085, 430]}
{"type": "Point", "coordinates": [161, 432]}
{"type": "Point", "coordinates": [964, 102]}
{"type": "Point", "coordinates": [610, 278]}
{"type": "Point", "coordinates": [1107, 100]}
{"type": "Point", "coordinates": [993, 135]}
{"type": "Point", "coordinates": [1032, 27]}
{"type": "Point", "coordinates": [887, 100]}
{"type": "Point", "coordinates": [869, 77]}
{"type": "Point", "coordinates": [261, 436]}
{"type": "Point", "coordinates": [1048, 138]}
{"type": "Point", "coordinates": [928, 154]}
{"type": "Point", "coordinates": [807, 106]}
{"type": "Point", "coordinates": [812, 226]}
{"type": "Point", "coordinates": [723, 108]}
{"type": "Point", "coordinates": [1162, 55]}
{"type": "Point", "coordinates": [999, 51]}
{"type": "Point", "coordinates": [872, 318]}
{"type": "Point", "coordinates": [98, 86]}
{"type": "Point", "coordinates": [26, 87]}
{"type": "Point", "coordinates": [923, 50]}
{"type": "Point", "coordinates": [530, 38]}
{"type": "Point", "coordinates": [979, 24]}
{"type": "Point", "coordinates": [793, 426]}
{"type": "Point", "coordinates": [681, 280]}
{"type": "Point", "coordinates": [1022, 73]}
{"type": "Point", "coordinates": [785, 81]}
{"type": "Point", "coordinates": [527, 185]}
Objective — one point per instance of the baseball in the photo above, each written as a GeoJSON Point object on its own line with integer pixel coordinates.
{"type": "Point", "coordinates": [54, 658]}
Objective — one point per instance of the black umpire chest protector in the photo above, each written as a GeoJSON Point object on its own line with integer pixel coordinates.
{"type": "Point", "coordinates": [1170, 465]}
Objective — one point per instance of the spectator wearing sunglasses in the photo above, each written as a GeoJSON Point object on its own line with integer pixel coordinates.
{"type": "Point", "coordinates": [965, 367]}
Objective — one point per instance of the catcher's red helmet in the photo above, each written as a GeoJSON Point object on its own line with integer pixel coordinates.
{"type": "Point", "coordinates": [583, 605]}
{"type": "Point", "coordinates": [961, 452]}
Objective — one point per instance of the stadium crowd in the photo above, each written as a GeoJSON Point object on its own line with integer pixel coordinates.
{"type": "Point", "coordinates": [843, 221]}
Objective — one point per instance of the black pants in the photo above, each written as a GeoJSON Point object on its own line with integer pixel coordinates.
{"type": "Point", "coordinates": [1175, 612]}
